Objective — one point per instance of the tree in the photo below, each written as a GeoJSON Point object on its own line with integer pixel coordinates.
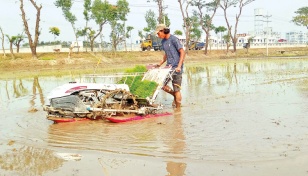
{"type": "Point", "coordinates": [220, 29]}
{"type": "Point", "coordinates": [18, 40]}
{"type": "Point", "coordinates": [87, 32]}
{"type": "Point", "coordinates": [161, 9]}
{"type": "Point", "coordinates": [11, 41]}
{"type": "Point", "coordinates": [2, 42]}
{"type": "Point", "coordinates": [162, 16]}
{"type": "Point", "coordinates": [66, 6]}
{"type": "Point", "coordinates": [247, 45]}
{"type": "Point", "coordinates": [128, 34]}
{"type": "Point", "coordinates": [178, 32]}
{"type": "Point", "coordinates": [102, 13]}
{"type": "Point", "coordinates": [117, 35]}
{"type": "Point", "coordinates": [140, 34]}
{"type": "Point", "coordinates": [206, 19]}
{"type": "Point", "coordinates": [225, 5]}
{"type": "Point", "coordinates": [32, 42]}
{"type": "Point", "coordinates": [87, 16]}
{"type": "Point", "coordinates": [150, 18]}
{"type": "Point", "coordinates": [227, 40]}
{"type": "Point", "coordinates": [167, 20]}
{"type": "Point", "coordinates": [55, 31]}
{"type": "Point", "coordinates": [195, 32]}
{"type": "Point", "coordinates": [301, 19]}
{"type": "Point", "coordinates": [87, 9]}
{"type": "Point", "coordinates": [187, 21]}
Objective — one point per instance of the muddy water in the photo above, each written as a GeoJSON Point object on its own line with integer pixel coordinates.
{"type": "Point", "coordinates": [236, 119]}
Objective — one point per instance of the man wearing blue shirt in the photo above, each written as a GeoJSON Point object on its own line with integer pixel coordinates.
{"type": "Point", "coordinates": [174, 55]}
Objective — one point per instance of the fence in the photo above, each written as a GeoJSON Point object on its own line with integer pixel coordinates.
{"type": "Point", "coordinates": [136, 47]}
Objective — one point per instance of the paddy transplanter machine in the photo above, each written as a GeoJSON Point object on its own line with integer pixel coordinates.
{"type": "Point", "coordinates": [74, 100]}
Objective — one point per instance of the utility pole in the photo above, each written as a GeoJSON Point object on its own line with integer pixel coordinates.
{"type": "Point", "coordinates": [267, 31]}
{"type": "Point", "coordinates": [164, 12]}
{"type": "Point", "coordinates": [131, 42]}
{"type": "Point", "coordinates": [220, 40]}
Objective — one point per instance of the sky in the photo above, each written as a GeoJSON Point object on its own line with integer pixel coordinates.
{"type": "Point", "coordinates": [281, 12]}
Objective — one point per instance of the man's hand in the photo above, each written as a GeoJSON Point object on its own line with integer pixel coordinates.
{"type": "Point", "coordinates": [178, 69]}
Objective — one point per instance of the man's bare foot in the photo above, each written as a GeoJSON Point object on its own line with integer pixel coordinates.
{"type": "Point", "coordinates": [177, 104]}
{"type": "Point", "coordinates": [177, 111]}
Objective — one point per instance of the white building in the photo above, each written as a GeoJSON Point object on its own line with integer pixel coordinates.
{"type": "Point", "coordinates": [297, 37]}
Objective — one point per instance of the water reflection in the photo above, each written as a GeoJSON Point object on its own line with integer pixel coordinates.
{"type": "Point", "coordinates": [252, 107]}
{"type": "Point", "coordinates": [29, 161]}
{"type": "Point", "coordinates": [201, 78]}
{"type": "Point", "coordinates": [36, 87]}
{"type": "Point", "coordinates": [19, 89]}
{"type": "Point", "coordinates": [149, 140]}
{"type": "Point", "coordinates": [6, 90]}
{"type": "Point", "coordinates": [216, 79]}
{"type": "Point", "coordinates": [214, 74]}
{"type": "Point", "coordinates": [176, 146]}
{"type": "Point", "coordinates": [247, 64]}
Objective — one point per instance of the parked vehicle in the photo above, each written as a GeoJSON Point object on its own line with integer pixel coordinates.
{"type": "Point", "coordinates": [282, 40]}
{"type": "Point", "coordinates": [151, 42]}
{"type": "Point", "coordinates": [197, 46]}
{"type": "Point", "coordinates": [246, 45]}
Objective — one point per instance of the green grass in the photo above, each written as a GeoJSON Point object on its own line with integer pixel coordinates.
{"type": "Point", "coordinates": [47, 58]}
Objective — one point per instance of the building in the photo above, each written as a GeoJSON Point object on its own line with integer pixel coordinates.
{"type": "Point", "coordinates": [297, 37]}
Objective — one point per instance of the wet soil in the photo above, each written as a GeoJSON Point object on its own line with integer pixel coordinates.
{"type": "Point", "coordinates": [246, 117]}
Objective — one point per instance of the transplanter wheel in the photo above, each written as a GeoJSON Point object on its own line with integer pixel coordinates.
{"type": "Point", "coordinates": [80, 115]}
{"type": "Point", "coordinates": [118, 100]}
{"type": "Point", "coordinates": [98, 114]}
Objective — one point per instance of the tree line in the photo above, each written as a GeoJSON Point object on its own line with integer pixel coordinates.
{"type": "Point", "coordinates": [103, 13]}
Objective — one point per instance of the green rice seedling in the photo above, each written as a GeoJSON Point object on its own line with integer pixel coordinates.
{"type": "Point", "coordinates": [141, 89]}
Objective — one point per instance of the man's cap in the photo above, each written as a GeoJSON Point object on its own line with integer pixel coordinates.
{"type": "Point", "coordinates": [159, 28]}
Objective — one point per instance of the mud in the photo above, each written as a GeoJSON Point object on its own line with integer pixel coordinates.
{"type": "Point", "coordinates": [247, 118]}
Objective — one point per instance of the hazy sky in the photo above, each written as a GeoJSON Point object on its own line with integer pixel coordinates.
{"type": "Point", "coordinates": [282, 12]}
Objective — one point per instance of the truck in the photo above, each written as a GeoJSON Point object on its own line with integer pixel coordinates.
{"type": "Point", "coordinates": [196, 45]}
{"type": "Point", "coordinates": [152, 41]}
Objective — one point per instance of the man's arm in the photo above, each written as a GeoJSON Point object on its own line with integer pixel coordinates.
{"type": "Point", "coordinates": [182, 54]}
{"type": "Point", "coordinates": [163, 60]}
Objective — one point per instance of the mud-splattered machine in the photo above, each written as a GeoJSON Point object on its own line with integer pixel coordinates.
{"type": "Point", "coordinates": [100, 100]}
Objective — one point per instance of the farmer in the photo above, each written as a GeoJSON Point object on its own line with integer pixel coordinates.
{"type": "Point", "coordinates": [174, 55]}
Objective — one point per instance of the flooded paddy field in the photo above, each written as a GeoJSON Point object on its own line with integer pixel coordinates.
{"type": "Point", "coordinates": [241, 118]}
